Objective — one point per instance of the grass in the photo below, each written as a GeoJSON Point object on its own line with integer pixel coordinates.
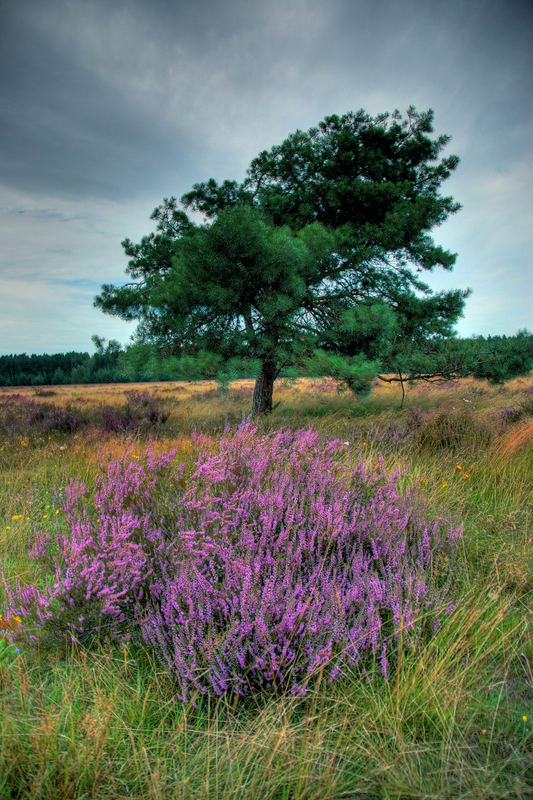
{"type": "Point", "coordinates": [454, 719]}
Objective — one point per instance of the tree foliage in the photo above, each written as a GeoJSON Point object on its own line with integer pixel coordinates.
{"type": "Point", "coordinates": [314, 259]}
{"type": "Point", "coordinates": [64, 368]}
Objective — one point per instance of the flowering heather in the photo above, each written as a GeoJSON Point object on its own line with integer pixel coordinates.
{"type": "Point", "coordinates": [511, 414]}
{"type": "Point", "coordinates": [241, 391]}
{"type": "Point", "coordinates": [273, 559]}
{"type": "Point", "coordinates": [20, 416]}
{"type": "Point", "coordinates": [141, 411]}
{"type": "Point", "coordinates": [432, 431]}
{"type": "Point", "coordinates": [47, 418]}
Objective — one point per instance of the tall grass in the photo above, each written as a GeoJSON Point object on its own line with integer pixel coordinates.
{"type": "Point", "coordinates": [448, 722]}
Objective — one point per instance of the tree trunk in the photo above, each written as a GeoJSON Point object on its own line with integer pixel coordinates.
{"type": "Point", "coordinates": [264, 388]}
{"type": "Point", "coordinates": [403, 387]}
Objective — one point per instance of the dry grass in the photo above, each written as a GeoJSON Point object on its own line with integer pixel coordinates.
{"type": "Point", "coordinates": [448, 724]}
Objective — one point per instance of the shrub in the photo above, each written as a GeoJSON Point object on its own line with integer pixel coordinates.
{"type": "Point", "coordinates": [21, 417]}
{"type": "Point", "coordinates": [274, 559]}
{"type": "Point", "coordinates": [47, 418]}
{"type": "Point", "coordinates": [453, 431]}
{"type": "Point", "coordinates": [509, 415]}
{"type": "Point", "coordinates": [527, 400]}
{"type": "Point", "coordinates": [140, 412]}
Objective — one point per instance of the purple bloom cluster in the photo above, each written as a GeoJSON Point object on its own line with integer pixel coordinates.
{"type": "Point", "coordinates": [434, 431]}
{"type": "Point", "coordinates": [241, 391]}
{"type": "Point", "coordinates": [141, 410]}
{"type": "Point", "coordinates": [22, 417]}
{"type": "Point", "coordinates": [323, 386]}
{"type": "Point", "coordinates": [19, 416]}
{"type": "Point", "coordinates": [47, 418]}
{"type": "Point", "coordinates": [511, 414]}
{"type": "Point", "coordinates": [273, 559]}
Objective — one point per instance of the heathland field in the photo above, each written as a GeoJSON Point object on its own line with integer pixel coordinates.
{"type": "Point", "coordinates": [331, 602]}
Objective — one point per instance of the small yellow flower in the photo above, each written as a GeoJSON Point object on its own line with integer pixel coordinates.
{"type": "Point", "coordinates": [16, 516]}
{"type": "Point", "coordinates": [524, 717]}
{"type": "Point", "coordinates": [45, 516]}
{"type": "Point", "coordinates": [458, 466]}
{"type": "Point", "coordinates": [445, 484]}
{"type": "Point", "coordinates": [57, 511]}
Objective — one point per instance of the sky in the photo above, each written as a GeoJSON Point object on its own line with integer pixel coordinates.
{"type": "Point", "coordinates": [107, 106]}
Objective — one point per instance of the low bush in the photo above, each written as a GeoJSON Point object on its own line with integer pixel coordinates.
{"type": "Point", "coordinates": [509, 415]}
{"type": "Point", "coordinates": [140, 412]}
{"type": "Point", "coordinates": [275, 558]}
{"type": "Point", "coordinates": [453, 431]}
{"type": "Point", "coordinates": [45, 418]}
{"type": "Point", "coordinates": [21, 417]}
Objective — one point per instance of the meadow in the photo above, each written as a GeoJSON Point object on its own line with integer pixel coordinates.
{"type": "Point", "coordinates": [432, 699]}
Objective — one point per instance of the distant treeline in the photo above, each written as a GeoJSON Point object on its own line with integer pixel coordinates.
{"type": "Point", "coordinates": [496, 358]}
{"type": "Point", "coordinates": [39, 370]}
{"type": "Point", "coordinates": [113, 365]}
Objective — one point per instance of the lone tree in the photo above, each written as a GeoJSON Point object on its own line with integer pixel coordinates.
{"type": "Point", "coordinates": [314, 259]}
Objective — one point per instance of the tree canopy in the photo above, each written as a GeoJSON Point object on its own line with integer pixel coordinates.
{"type": "Point", "coordinates": [315, 258]}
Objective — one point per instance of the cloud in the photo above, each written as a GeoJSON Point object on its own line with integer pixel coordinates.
{"type": "Point", "coordinates": [49, 317]}
{"type": "Point", "coordinates": [108, 107]}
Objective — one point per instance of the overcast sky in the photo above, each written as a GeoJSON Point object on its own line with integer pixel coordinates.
{"type": "Point", "coordinates": [107, 106]}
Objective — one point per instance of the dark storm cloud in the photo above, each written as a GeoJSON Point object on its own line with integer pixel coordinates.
{"type": "Point", "coordinates": [109, 98]}
{"type": "Point", "coordinates": [74, 115]}
{"type": "Point", "coordinates": [108, 105]}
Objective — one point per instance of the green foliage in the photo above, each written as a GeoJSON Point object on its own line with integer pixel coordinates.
{"type": "Point", "coordinates": [496, 358]}
{"type": "Point", "coordinates": [63, 368]}
{"type": "Point", "coordinates": [500, 358]}
{"type": "Point", "coordinates": [8, 653]}
{"type": "Point", "coordinates": [321, 246]}
{"type": "Point", "coordinates": [356, 373]}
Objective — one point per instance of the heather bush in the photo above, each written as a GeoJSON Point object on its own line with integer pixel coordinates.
{"type": "Point", "coordinates": [47, 418]}
{"type": "Point", "coordinates": [21, 417]}
{"type": "Point", "coordinates": [416, 418]}
{"type": "Point", "coordinates": [12, 397]}
{"type": "Point", "coordinates": [527, 400]}
{"type": "Point", "coordinates": [453, 431]}
{"type": "Point", "coordinates": [431, 431]}
{"type": "Point", "coordinates": [509, 415]}
{"type": "Point", "coordinates": [140, 412]}
{"type": "Point", "coordinates": [241, 391]}
{"type": "Point", "coordinates": [274, 559]}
